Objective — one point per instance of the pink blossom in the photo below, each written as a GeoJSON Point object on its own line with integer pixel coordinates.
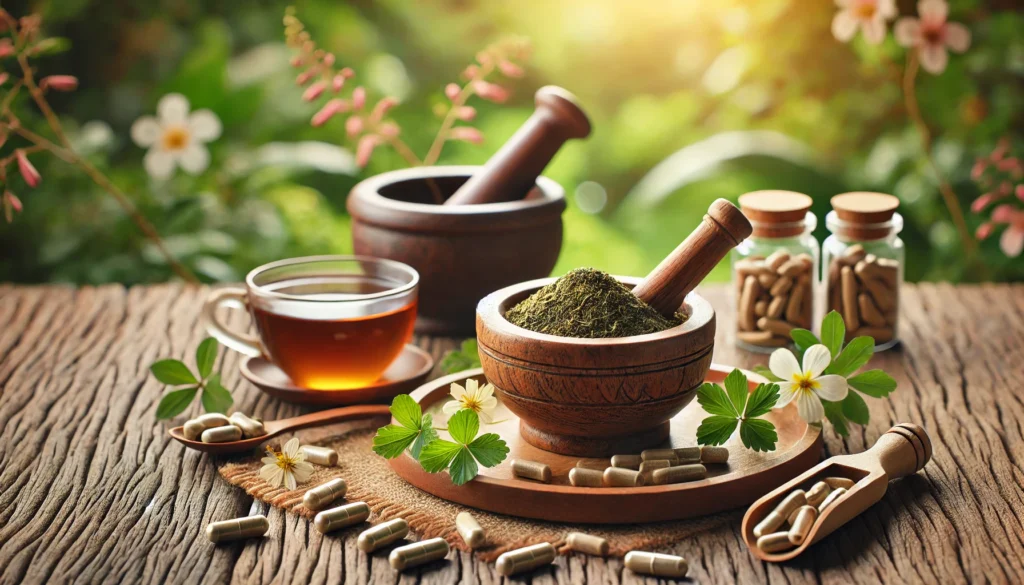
{"type": "Point", "coordinates": [389, 129]}
{"type": "Point", "coordinates": [296, 61]}
{"type": "Point", "coordinates": [329, 59]}
{"type": "Point", "coordinates": [870, 16]}
{"type": "Point", "coordinates": [1008, 164]}
{"type": "Point", "coordinates": [314, 91]}
{"type": "Point", "coordinates": [1003, 213]}
{"type": "Point", "coordinates": [491, 92]}
{"type": "Point", "coordinates": [337, 83]}
{"type": "Point", "coordinates": [331, 108]}
{"type": "Point", "coordinates": [353, 126]}
{"type": "Point", "coordinates": [6, 47]}
{"type": "Point", "coordinates": [984, 230]}
{"type": "Point", "coordinates": [11, 204]}
{"type": "Point", "coordinates": [4, 77]}
{"type": "Point", "coordinates": [304, 77]}
{"type": "Point", "coordinates": [381, 109]}
{"type": "Point", "coordinates": [483, 58]}
{"type": "Point", "coordinates": [1005, 188]}
{"type": "Point", "coordinates": [358, 98]}
{"type": "Point", "coordinates": [452, 90]}
{"type": "Point", "coordinates": [1002, 147]}
{"type": "Point", "coordinates": [931, 35]}
{"type": "Point", "coordinates": [347, 73]}
{"type": "Point", "coordinates": [1020, 191]}
{"type": "Point", "coordinates": [467, 134]}
{"type": "Point", "coordinates": [28, 172]}
{"type": "Point", "coordinates": [1012, 240]}
{"type": "Point", "coordinates": [466, 113]}
{"type": "Point", "coordinates": [982, 202]}
{"type": "Point", "coordinates": [510, 69]}
{"type": "Point", "coordinates": [471, 72]}
{"type": "Point", "coordinates": [365, 148]}
{"type": "Point", "coordinates": [978, 169]}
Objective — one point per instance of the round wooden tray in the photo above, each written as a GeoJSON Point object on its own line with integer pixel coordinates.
{"type": "Point", "coordinates": [746, 477]}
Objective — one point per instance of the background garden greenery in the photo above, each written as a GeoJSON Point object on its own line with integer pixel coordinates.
{"type": "Point", "coordinates": [731, 96]}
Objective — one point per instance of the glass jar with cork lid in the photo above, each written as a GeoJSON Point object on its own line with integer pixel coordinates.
{"type": "Point", "coordinates": [775, 270]}
{"type": "Point", "coordinates": [863, 261]}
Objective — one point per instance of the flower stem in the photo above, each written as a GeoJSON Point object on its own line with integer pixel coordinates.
{"type": "Point", "coordinates": [914, 111]}
{"type": "Point", "coordinates": [449, 120]}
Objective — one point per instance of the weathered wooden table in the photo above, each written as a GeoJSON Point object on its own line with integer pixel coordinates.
{"type": "Point", "coordinates": [92, 490]}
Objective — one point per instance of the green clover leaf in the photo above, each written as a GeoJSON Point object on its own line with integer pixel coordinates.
{"type": "Point", "coordinates": [731, 410]}
{"type": "Point", "coordinates": [833, 331]}
{"type": "Point", "coordinates": [172, 372]}
{"type": "Point", "coordinates": [463, 456]}
{"type": "Point", "coordinates": [206, 354]}
{"type": "Point", "coordinates": [174, 403]}
{"type": "Point", "coordinates": [414, 429]}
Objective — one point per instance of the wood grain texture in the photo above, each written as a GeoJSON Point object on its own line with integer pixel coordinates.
{"type": "Point", "coordinates": [92, 490]}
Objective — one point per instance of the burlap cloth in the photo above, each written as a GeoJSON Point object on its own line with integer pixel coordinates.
{"type": "Point", "coordinates": [371, 480]}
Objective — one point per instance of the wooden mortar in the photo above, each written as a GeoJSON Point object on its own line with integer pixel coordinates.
{"type": "Point", "coordinates": [601, 397]}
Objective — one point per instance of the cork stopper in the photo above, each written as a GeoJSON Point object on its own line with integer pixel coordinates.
{"type": "Point", "coordinates": [776, 214]}
{"type": "Point", "coordinates": [864, 215]}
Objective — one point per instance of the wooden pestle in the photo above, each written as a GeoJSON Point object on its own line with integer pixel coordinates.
{"type": "Point", "coordinates": [513, 170]}
{"type": "Point", "coordinates": [724, 227]}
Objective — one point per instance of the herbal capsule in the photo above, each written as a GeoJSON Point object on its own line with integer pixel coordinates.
{"type": "Point", "coordinates": [714, 454]}
{"type": "Point", "coordinates": [839, 482]}
{"type": "Point", "coordinates": [627, 461]}
{"type": "Point", "coordinates": [688, 454]}
{"type": "Point", "coordinates": [620, 477]}
{"type": "Point", "coordinates": [679, 474]}
{"type": "Point", "coordinates": [531, 470]}
{"type": "Point", "coordinates": [196, 426]}
{"type": "Point", "coordinates": [599, 465]}
{"type": "Point", "coordinates": [587, 543]}
{"type": "Point", "coordinates": [320, 455]}
{"type": "Point", "coordinates": [325, 493]}
{"type": "Point", "coordinates": [238, 528]}
{"type": "Point", "coordinates": [832, 497]}
{"type": "Point", "coordinates": [222, 434]}
{"type": "Point", "coordinates": [341, 517]}
{"type": "Point", "coordinates": [250, 428]}
{"type": "Point", "coordinates": [801, 523]}
{"type": "Point", "coordinates": [656, 564]}
{"type": "Point", "coordinates": [652, 464]}
{"type": "Point", "coordinates": [774, 542]}
{"type": "Point", "coordinates": [581, 477]}
{"type": "Point", "coordinates": [780, 514]}
{"type": "Point", "coordinates": [382, 535]}
{"type": "Point", "coordinates": [418, 553]}
{"type": "Point", "coordinates": [469, 529]}
{"type": "Point", "coordinates": [817, 494]}
{"type": "Point", "coordinates": [654, 454]}
{"type": "Point", "coordinates": [525, 559]}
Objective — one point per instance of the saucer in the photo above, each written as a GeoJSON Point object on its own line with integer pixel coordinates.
{"type": "Point", "coordinates": [404, 375]}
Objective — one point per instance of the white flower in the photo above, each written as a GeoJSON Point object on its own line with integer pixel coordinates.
{"type": "Point", "coordinates": [932, 35]}
{"type": "Point", "coordinates": [869, 16]}
{"type": "Point", "coordinates": [806, 385]}
{"type": "Point", "coordinates": [475, 397]}
{"type": "Point", "coordinates": [287, 468]}
{"type": "Point", "coordinates": [175, 137]}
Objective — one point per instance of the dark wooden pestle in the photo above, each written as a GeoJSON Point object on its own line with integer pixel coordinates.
{"type": "Point", "coordinates": [513, 170]}
{"type": "Point", "coordinates": [666, 286]}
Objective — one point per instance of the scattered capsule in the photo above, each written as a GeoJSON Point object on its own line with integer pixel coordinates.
{"type": "Point", "coordinates": [714, 454]}
{"type": "Point", "coordinates": [418, 553]}
{"type": "Point", "coordinates": [688, 454]}
{"type": "Point", "coordinates": [780, 514]}
{"type": "Point", "coordinates": [320, 455]}
{"type": "Point", "coordinates": [525, 559]}
{"type": "Point", "coordinates": [679, 474]}
{"type": "Point", "coordinates": [382, 535]}
{"type": "Point", "coordinates": [587, 543]}
{"type": "Point", "coordinates": [800, 525]}
{"type": "Point", "coordinates": [627, 461]}
{"type": "Point", "coordinates": [817, 494]}
{"type": "Point", "coordinates": [250, 428]}
{"type": "Point", "coordinates": [319, 497]}
{"type": "Point", "coordinates": [839, 482]}
{"type": "Point", "coordinates": [222, 434]}
{"type": "Point", "coordinates": [652, 464]}
{"type": "Point", "coordinates": [653, 454]}
{"type": "Point", "coordinates": [598, 465]}
{"type": "Point", "coordinates": [656, 564]}
{"type": "Point", "coordinates": [774, 542]}
{"type": "Point", "coordinates": [195, 427]}
{"type": "Point", "coordinates": [340, 517]}
{"type": "Point", "coordinates": [237, 528]}
{"type": "Point", "coordinates": [621, 477]}
{"type": "Point", "coordinates": [531, 470]}
{"type": "Point", "coordinates": [582, 477]}
{"type": "Point", "coordinates": [832, 497]}
{"type": "Point", "coordinates": [469, 529]}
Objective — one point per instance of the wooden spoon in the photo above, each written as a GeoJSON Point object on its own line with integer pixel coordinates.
{"type": "Point", "coordinates": [277, 427]}
{"type": "Point", "coordinates": [901, 451]}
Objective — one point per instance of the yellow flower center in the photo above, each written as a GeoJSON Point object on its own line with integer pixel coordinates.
{"type": "Point", "coordinates": [805, 382]}
{"type": "Point", "coordinates": [471, 403]}
{"type": "Point", "coordinates": [175, 138]}
{"type": "Point", "coordinates": [865, 10]}
{"type": "Point", "coordinates": [284, 461]}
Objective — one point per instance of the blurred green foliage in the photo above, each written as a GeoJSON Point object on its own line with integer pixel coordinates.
{"type": "Point", "coordinates": [742, 95]}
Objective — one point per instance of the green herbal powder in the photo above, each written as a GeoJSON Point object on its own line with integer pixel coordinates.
{"type": "Point", "coordinates": [591, 304]}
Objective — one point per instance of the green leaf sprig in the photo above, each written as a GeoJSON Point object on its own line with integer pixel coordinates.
{"type": "Point", "coordinates": [466, 357]}
{"type": "Point", "coordinates": [845, 362]}
{"type": "Point", "coordinates": [462, 456]}
{"type": "Point", "coordinates": [736, 406]}
{"type": "Point", "coordinates": [215, 397]}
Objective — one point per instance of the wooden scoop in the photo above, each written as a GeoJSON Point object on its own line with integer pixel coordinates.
{"type": "Point", "coordinates": [724, 227]}
{"type": "Point", "coordinates": [513, 170]}
{"type": "Point", "coordinates": [901, 451]}
{"type": "Point", "coordinates": [277, 427]}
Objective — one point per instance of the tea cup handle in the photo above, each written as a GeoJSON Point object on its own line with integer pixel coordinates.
{"type": "Point", "coordinates": [241, 342]}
